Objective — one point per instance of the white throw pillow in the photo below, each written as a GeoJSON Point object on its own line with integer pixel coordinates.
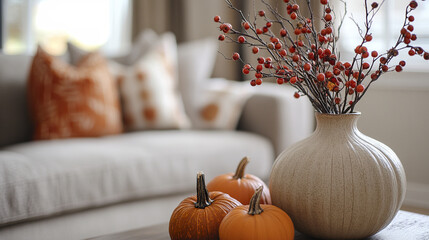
{"type": "Point", "coordinates": [219, 104]}
{"type": "Point", "coordinates": [149, 89]}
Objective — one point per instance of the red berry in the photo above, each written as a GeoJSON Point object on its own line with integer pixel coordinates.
{"type": "Point", "coordinates": [264, 29]}
{"type": "Point", "coordinates": [255, 50]}
{"type": "Point", "coordinates": [426, 56]}
{"type": "Point", "coordinates": [261, 13]}
{"type": "Point", "coordinates": [283, 52]}
{"type": "Point", "coordinates": [246, 25]}
{"type": "Point", "coordinates": [337, 100]}
{"type": "Point", "coordinates": [253, 83]}
{"type": "Point", "coordinates": [280, 81]}
{"type": "Point", "coordinates": [321, 77]}
{"type": "Point", "coordinates": [268, 24]}
{"type": "Point", "coordinates": [328, 17]}
{"type": "Point", "coordinates": [337, 71]}
{"type": "Point", "coordinates": [261, 60]}
{"type": "Point", "coordinates": [385, 68]}
{"type": "Point", "coordinates": [307, 67]}
{"type": "Point", "coordinates": [402, 63]}
{"type": "Point", "coordinates": [351, 91]}
{"type": "Point", "coordinates": [278, 46]}
{"type": "Point", "coordinates": [411, 18]}
{"type": "Point", "coordinates": [258, 81]}
{"type": "Point", "coordinates": [235, 56]}
{"type": "Point", "coordinates": [404, 31]}
{"type": "Point", "coordinates": [347, 65]}
{"type": "Point", "coordinates": [327, 10]}
{"type": "Point", "coordinates": [268, 59]}
{"type": "Point", "coordinates": [311, 55]}
{"type": "Point", "coordinates": [258, 31]}
{"type": "Point", "coordinates": [327, 52]}
{"type": "Point", "coordinates": [365, 65]}
{"type": "Point", "coordinates": [286, 1]}
{"type": "Point", "coordinates": [360, 88]}
{"type": "Point", "coordinates": [368, 38]}
{"type": "Point", "coordinates": [324, 2]}
{"type": "Point", "coordinates": [292, 49]}
{"type": "Point", "coordinates": [216, 18]}
{"type": "Point", "coordinates": [328, 30]}
{"type": "Point", "coordinates": [225, 27]}
{"type": "Point", "coordinates": [410, 28]}
{"type": "Point", "coordinates": [293, 80]}
{"type": "Point", "coordinates": [295, 7]}
{"type": "Point", "coordinates": [297, 31]}
{"type": "Point", "coordinates": [383, 60]}
{"type": "Point", "coordinates": [221, 37]}
{"type": "Point", "coordinates": [398, 68]}
{"type": "Point", "coordinates": [283, 33]}
{"type": "Point", "coordinates": [365, 54]}
{"type": "Point", "coordinates": [413, 4]}
{"type": "Point", "coordinates": [351, 102]}
{"type": "Point", "coordinates": [274, 40]}
{"type": "Point", "coordinates": [296, 95]}
{"type": "Point", "coordinates": [414, 37]}
{"type": "Point", "coordinates": [241, 39]}
{"type": "Point", "coordinates": [246, 70]}
{"type": "Point", "coordinates": [374, 5]}
{"type": "Point", "coordinates": [296, 58]}
{"type": "Point", "coordinates": [293, 16]}
{"type": "Point", "coordinates": [258, 75]}
{"type": "Point", "coordinates": [374, 54]}
{"type": "Point", "coordinates": [374, 76]}
{"type": "Point", "coordinates": [411, 52]}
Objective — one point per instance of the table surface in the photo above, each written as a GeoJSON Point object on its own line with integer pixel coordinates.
{"type": "Point", "coordinates": [405, 226]}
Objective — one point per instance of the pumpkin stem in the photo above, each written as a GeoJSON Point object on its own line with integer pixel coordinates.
{"type": "Point", "coordinates": [203, 199]}
{"type": "Point", "coordinates": [239, 173]}
{"type": "Point", "coordinates": [254, 206]}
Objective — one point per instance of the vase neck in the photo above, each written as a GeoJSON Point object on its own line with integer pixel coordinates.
{"type": "Point", "coordinates": [337, 123]}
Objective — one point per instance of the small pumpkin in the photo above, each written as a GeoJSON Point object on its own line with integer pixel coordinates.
{"type": "Point", "coordinates": [199, 216]}
{"type": "Point", "coordinates": [256, 222]}
{"type": "Point", "coordinates": [239, 185]}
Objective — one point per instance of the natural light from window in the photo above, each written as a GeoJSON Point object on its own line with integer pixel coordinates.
{"type": "Point", "coordinates": [88, 24]}
{"type": "Point", "coordinates": [385, 29]}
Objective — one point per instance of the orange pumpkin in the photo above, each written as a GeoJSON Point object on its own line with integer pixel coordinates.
{"type": "Point", "coordinates": [256, 222]}
{"type": "Point", "coordinates": [199, 216]}
{"type": "Point", "coordinates": [239, 185]}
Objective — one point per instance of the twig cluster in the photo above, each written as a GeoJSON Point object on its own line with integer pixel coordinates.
{"type": "Point", "coordinates": [307, 58]}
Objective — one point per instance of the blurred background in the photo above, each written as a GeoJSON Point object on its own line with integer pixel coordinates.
{"type": "Point", "coordinates": [395, 111]}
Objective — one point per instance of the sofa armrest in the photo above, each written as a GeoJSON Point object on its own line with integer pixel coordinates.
{"type": "Point", "coordinates": [273, 112]}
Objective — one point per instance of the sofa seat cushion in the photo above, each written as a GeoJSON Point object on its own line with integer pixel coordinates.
{"type": "Point", "coordinates": [44, 178]}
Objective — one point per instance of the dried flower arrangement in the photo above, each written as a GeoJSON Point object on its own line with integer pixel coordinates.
{"type": "Point", "coordinates": [308, 59]}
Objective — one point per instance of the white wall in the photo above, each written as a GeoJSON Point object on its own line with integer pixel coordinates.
{"type": "Point", "coordinates": [395, 111]}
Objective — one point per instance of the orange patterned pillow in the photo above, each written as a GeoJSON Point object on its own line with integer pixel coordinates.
{"type": "Point", "coordinates": [67, 101]}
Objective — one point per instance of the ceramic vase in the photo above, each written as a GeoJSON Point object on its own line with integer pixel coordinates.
{"type": "Point", "coordinates": [338, 183]}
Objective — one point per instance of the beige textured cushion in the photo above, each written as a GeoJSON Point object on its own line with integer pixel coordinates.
{"type": "Point", "coordinates": [149, 91]}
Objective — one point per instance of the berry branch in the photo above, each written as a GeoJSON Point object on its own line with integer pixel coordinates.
{"type": "Point", "coordinates": [307, 58]}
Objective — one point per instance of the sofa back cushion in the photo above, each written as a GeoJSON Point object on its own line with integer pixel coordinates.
{"type": "Point", "coordinates": [67, 101]}
{"type": "Point", "coordinates": [15, 126]}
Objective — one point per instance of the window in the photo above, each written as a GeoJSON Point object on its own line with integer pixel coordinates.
{"type": "Point", "coordinates": [89, 24]}
{"type": "Point", "coordinates": [385, 30]}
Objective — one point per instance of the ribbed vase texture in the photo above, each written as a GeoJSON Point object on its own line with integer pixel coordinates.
{"type": "Point", "coordinates": [338, 183]}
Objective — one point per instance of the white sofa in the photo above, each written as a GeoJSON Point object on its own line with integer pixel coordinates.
{"type": "Point", "coordinates": [85, 187]}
